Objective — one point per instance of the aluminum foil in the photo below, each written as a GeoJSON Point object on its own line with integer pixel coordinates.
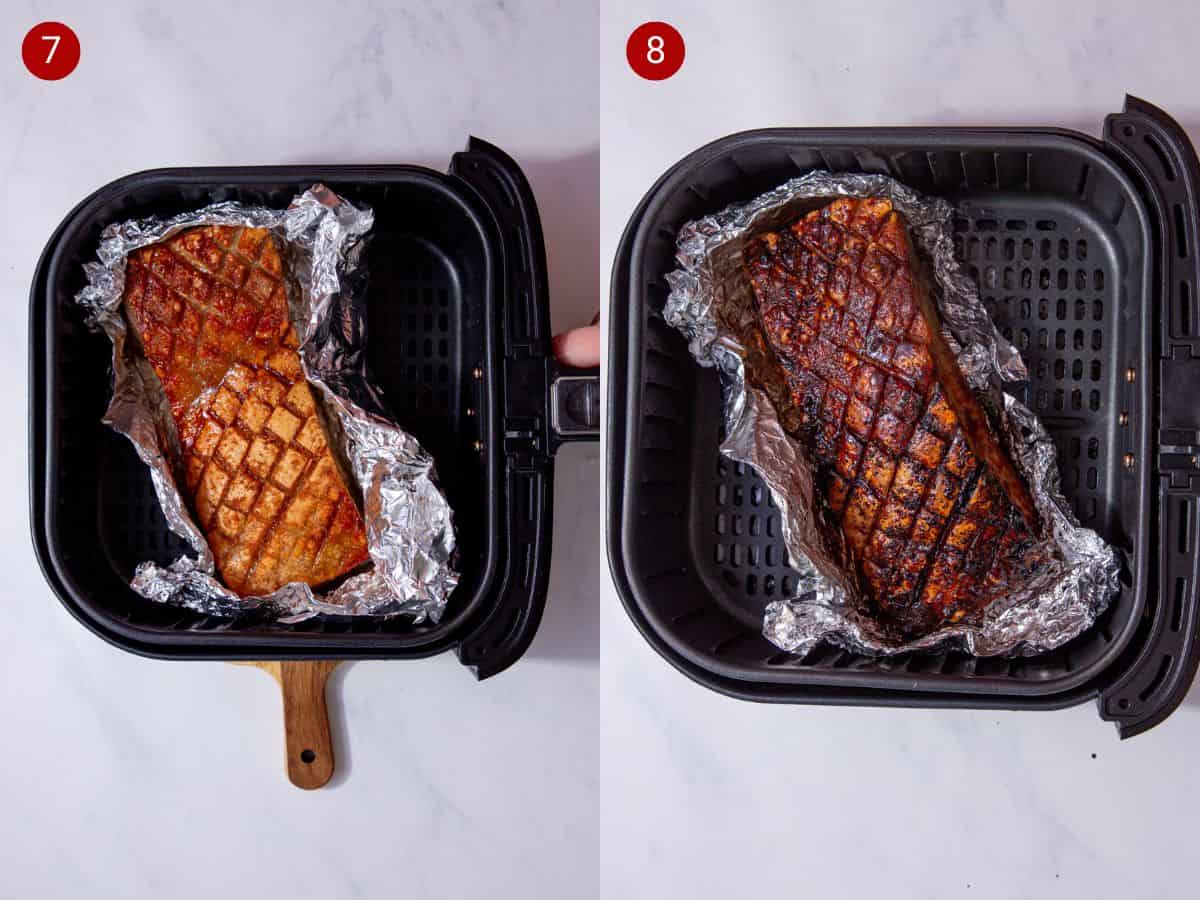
{"type": "Point", "coordinates": [410, 533]}
{"type": "Point", "coordinates": [712, 304]}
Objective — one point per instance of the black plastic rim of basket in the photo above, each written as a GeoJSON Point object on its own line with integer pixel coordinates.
{"type": "Point", "coordinates": [496, 625]}
{"type": "Point", "coordinates": [1148, 678]}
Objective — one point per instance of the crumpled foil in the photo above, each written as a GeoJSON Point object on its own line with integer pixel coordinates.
{"type": "Point", "coordinates": [712, 304]}
{"type": "Point", "coordinates": [410, 532]}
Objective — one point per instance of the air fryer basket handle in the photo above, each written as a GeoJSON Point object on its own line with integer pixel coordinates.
{"type": "Point", "coordinates": [1153, 677]}
{"type": "Point", "coordinates": [574, 403]}
{"type": "Point", "coordinates": [542, 405]}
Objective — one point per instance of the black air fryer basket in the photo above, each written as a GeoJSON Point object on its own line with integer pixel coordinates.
{"type": "Point", "coordinates": [458, 338]}
{"type": "Point", "coordinates": [1085, 251]}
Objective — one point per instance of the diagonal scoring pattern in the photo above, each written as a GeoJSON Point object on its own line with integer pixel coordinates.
{"type": "Point", "coordinates": [209, 307]}
{"type": "Point", "coordinates": [933, 536]}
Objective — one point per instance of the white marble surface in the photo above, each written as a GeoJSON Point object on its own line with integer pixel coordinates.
{"type": "Point", "coordinates": [134, 778]}
{"type": "Point", "coordinates": [706, 797]}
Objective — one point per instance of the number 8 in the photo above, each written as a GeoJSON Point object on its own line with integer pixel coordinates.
{"type": "Point", "coordinates": [655, 52]}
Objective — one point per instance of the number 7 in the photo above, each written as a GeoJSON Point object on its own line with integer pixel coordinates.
{"type": "Point", "coordinates": [55, 38]}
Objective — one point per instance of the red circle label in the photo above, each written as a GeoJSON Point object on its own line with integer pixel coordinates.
{"type": "Point", "coordinates": [50, 51]}
{"type": "Point", "coordinates": [655, 50]}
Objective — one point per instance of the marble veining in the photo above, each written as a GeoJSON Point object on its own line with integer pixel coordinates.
{"type": "Point", "coordinates": [137, 778]}
{"type": "Point", "coordinates": [707, 797]}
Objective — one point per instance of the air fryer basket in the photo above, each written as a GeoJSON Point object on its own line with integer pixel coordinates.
{"type": "Point", "coordinates": [1079, 247]}
{"type": "Point", "coordinates": [458, 338]}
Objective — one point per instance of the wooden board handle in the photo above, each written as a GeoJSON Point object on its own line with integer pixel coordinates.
{"type": "Point", "coordinates": [307, 740]}
{"type": "Point", "coordinates": [306, 722]}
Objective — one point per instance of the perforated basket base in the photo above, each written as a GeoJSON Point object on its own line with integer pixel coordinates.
{"type": "Point", "coordinates": [411, 318]}
{"type": "Point", "coordinates": [1047, 282]}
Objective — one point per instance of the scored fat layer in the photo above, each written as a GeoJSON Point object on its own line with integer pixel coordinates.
{"type": "Point", "coordinates": [931, 533]}
{"type": "Point", "coordinates": [209, 306]}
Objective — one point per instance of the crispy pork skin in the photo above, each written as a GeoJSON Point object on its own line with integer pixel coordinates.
{"type": "Point", "coordinates": [209, 309]}
{"type": "Point", "coordinates": [937, 521]}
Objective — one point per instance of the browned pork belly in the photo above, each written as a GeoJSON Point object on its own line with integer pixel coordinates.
{"type": "Point", "coordinates": [209, 309]}
{"type": "Point", "coordinates": [937, 521]}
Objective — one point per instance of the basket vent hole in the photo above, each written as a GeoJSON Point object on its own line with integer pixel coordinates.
{"type": "Point", "coordinates": [1159, 677]}
{"type": "Point", "coordinates": [1177, 605]}
{"type": "Point", "coordinates": [1185, 309]}
{"type": "Point", "coordinates": [1046, 225]}
{"type": "Point", "coordinates": [1077, 370]}
{"type": "Point", "coordinates": [1093, 448]}
{"type": "Point", "coordinates": [1185, 530]}
{"type": "Point", "coordinates": [1180, 232]}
